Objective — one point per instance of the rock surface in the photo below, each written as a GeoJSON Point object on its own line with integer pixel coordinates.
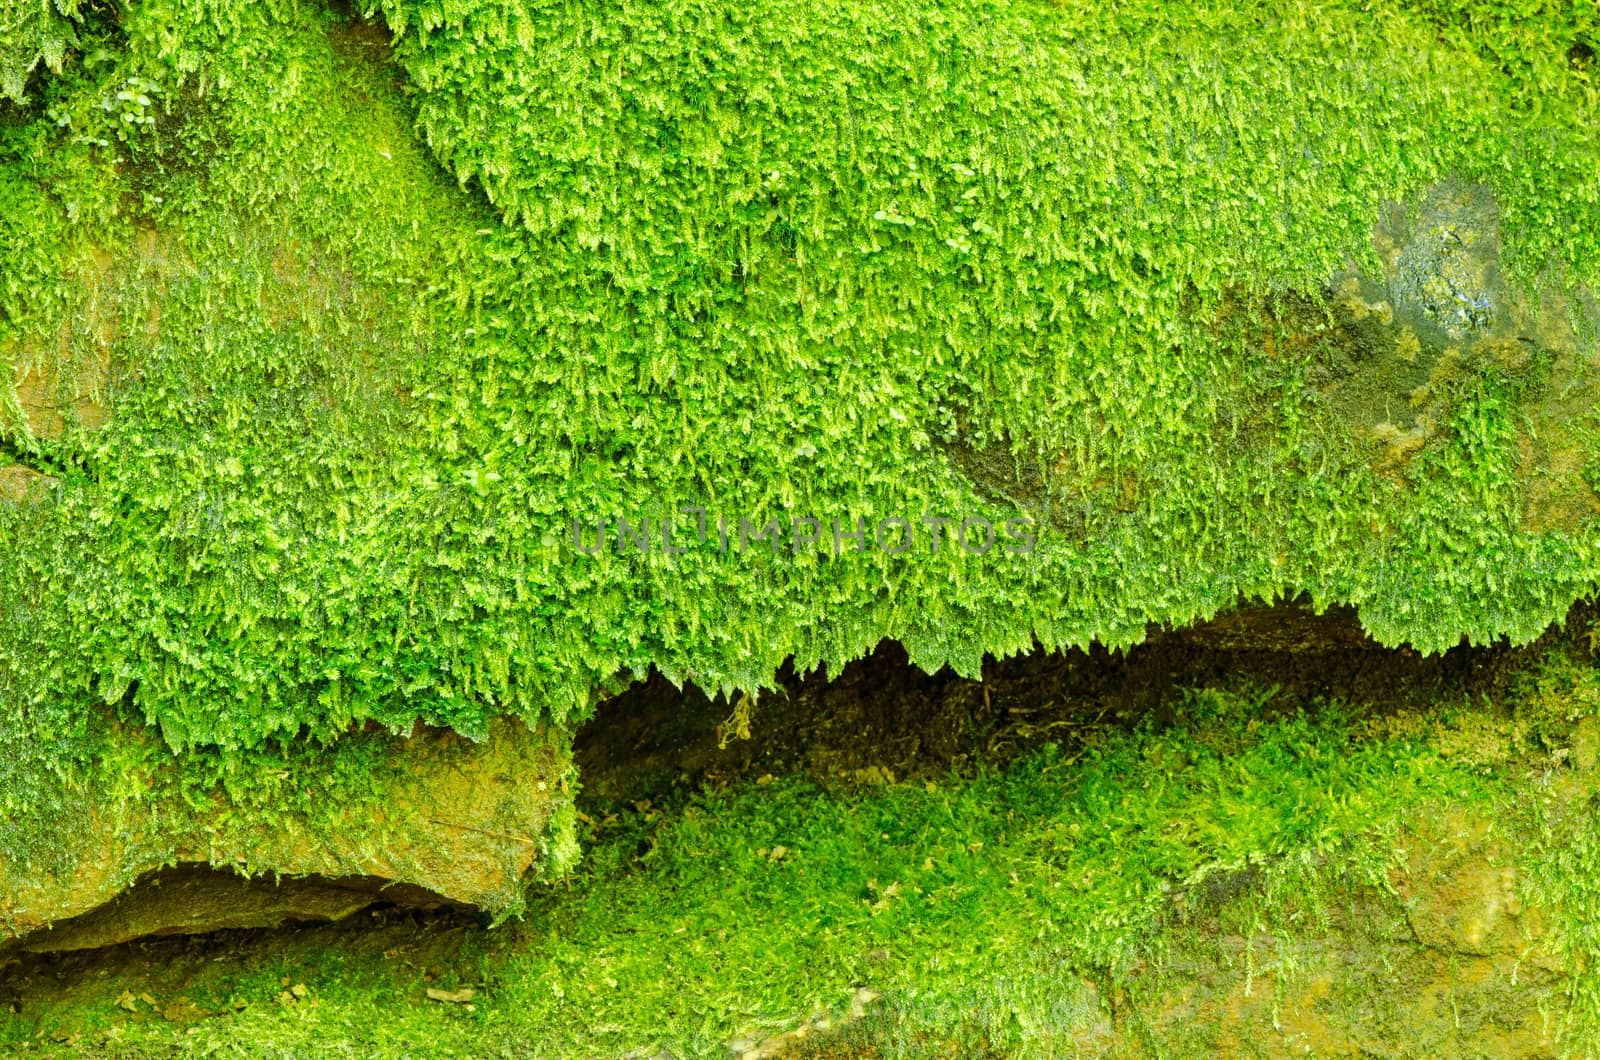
{"type": "Point", "coordinates": [1443, 311]}
{"type": "Point", "coordinates": [465, 821]}
{"type": "Point", "coordinates": [190, 900]}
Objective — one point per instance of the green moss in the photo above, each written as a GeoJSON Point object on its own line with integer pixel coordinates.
{"type": "Point", "coordinates": [1156, 890]}
{"type": "Point", "coordinates": [372, 334]}
{"type": "Point", "coordinates": [33, 35]}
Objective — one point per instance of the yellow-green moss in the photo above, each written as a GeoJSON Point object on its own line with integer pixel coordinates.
{"type": "Point", "coordinates": [370, 334]}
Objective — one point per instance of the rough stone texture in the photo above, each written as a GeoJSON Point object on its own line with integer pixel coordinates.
{"type": "Point", "coordinates": [47, 397]}
{"type": "Point", "coordinates": [1458, 956]}
{"type": "Point", "coordinates": [465, 821]}
{"type": "Point", "coordinates": [190, 901]}
{"type": "Point", "coordinates": [1455, 969]}
{"type": "Point", "coordinates": [1461, 890]}
{"type": "Point", "coordinates": [54, 389]}
{"type": "Point", "coordinates": [1444, 307]}
{"type": "Point", "coordinates": [16, 480]}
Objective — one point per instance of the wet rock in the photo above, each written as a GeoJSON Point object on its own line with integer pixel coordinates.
{"type": "Point", "coordinates": [1392, 351]}
{"type": "Point", "coordinates": [818, 1024]}
{"type": "Point", "coordinates": [1461, 891]}
{"type": "Point", "coordinates": [1408, 344]}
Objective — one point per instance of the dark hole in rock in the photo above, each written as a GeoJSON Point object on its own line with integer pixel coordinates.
{"type": "Point", "coordinates": [198, 899]}
{"type": "Point", "coordinates": [881, 719]}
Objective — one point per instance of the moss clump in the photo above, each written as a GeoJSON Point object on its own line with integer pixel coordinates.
{"type": "Point", "coordinates": [363, 334]}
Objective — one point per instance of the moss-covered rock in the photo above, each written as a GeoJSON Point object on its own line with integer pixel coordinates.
{"type": "Point", "coordinates": [466, 821]}
{"type": "Point", "coordinates": [973, 326]}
